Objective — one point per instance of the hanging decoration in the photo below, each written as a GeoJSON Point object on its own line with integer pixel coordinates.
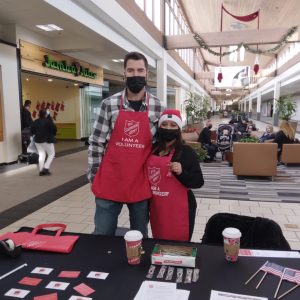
{"type": "Point", "coordinates": [256, 65]}
{"type": "Point", "coordinates": [220, 75]}
{"type": "Point", "coordinates": [282, 42]}
{"type": "Point", "coordinates": [247, 18]}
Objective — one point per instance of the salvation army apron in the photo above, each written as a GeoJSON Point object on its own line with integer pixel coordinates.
{"type": "Point", "coordinates": [122, 176]}
{"type": "Point", "coordinates": [169, 214]}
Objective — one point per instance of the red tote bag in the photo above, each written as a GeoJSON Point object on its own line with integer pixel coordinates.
{"type": "Point", "coordinates": [34, 241]}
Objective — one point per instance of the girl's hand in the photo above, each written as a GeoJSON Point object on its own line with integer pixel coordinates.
{"type": "Point", "coordinates": [176, 167]}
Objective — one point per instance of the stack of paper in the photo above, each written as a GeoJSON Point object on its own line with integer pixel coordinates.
{"type": "Point", "coordinates": [157, 290]}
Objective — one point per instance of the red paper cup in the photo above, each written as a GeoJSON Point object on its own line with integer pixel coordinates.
{"type": "Point", "coordinates": [232, 238]}
{"type": "Point", "coordinates": [133, 241]}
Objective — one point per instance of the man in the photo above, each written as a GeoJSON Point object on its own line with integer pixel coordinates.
{"type": "Point", "coordinates": [119, 145]}
{"type": "Point", "coordinates": [26, 122]}
{"type": "Point", "coordinates": [205, 140]}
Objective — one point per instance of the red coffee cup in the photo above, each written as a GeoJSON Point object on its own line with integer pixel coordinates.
{"type": "Point", "coordinates": [133, 241]}
{"type": "Point", "coordinates": [232, 238]}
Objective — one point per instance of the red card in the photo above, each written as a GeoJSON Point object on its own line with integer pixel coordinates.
{"type": "Point", "coordinates": [69, 274]}
{"type": "Point", "coordinates": [83, 289]}
{"type": "Point", "coordinates": [52, 296]}
{"type": "Point", "coordinates": [30, 281]}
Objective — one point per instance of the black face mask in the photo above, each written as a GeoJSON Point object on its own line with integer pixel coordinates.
{"type": "Point", "coordinates": [135, 83]}
{"type": "Point", "coordinates": [168, 135]}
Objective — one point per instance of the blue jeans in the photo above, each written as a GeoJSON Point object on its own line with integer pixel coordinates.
{"type": "Point", "coordinates": [107, 212]}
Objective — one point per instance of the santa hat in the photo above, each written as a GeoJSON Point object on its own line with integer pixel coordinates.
{"type": "Point", "coordinates": [171, 115]}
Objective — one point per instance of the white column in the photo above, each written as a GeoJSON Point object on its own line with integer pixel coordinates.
{"type": "Point", "coordinates": [161, 78]}
{"type": "Point", "coordinates": [276, 97]}
{"type": "Point", "coordinates": [258, 106]}
{"type": "Point", "coordinates": [250, 107]}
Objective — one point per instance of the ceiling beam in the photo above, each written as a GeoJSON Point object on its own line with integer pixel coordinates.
{"type": "Point", "coordinates": [228, 38]}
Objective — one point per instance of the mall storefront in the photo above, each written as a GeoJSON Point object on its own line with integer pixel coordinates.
{"type": "Point", "coordinates": [71, 89]}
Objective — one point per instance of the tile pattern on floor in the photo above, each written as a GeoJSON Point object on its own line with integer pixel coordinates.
{"type": "Point", "coordinates": [76, 209]}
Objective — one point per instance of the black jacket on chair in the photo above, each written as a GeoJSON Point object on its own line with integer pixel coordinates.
{"type": "Point", "coordinates": [257, 233]}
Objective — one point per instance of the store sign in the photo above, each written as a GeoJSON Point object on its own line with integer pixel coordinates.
{"type": "Point", "coordinates": [40, 60]}
{"type": "Point", "coordinates": [63, 66]}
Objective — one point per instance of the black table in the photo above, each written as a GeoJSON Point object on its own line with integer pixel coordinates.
{"type": "Point", "coordinates": [108, 254]}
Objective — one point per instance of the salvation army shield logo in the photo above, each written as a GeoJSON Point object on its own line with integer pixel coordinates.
{"type": "Point", "coordinates": [154, 175]}
{"type": "Point", "coordinates": [132, 128]}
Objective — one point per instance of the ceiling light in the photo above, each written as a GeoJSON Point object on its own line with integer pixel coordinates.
{"type": "Point", "coordinates": [27, 79]}
{"type": "Point", "coordinates": [119, 60]}
{"type": "Point", "coordinates": [49, 27]}
{"type": "Point", "coordinates": [75, 84]}
{"type": "Point", "coordinates": [50, 79]}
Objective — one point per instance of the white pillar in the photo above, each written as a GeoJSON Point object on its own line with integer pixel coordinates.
{"type": "Point", "coordinates": [161, 77]}
{"type": "Point", "coordinates": [258, 106]}
{"type": "Point", "coordinates": [276, 97]}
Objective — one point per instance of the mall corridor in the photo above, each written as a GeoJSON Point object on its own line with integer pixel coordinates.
{"type": "Point", "coordinates": [66, 197]}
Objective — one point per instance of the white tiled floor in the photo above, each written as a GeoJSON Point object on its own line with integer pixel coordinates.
{"type": "Point", "coordinates": [77, 211]}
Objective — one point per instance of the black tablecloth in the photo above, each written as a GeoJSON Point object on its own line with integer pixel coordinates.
{"type": "Point", "coordinates": [108, 254]}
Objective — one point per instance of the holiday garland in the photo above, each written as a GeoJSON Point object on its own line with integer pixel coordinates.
{"type": "Point", "coordinates": [282, 42]}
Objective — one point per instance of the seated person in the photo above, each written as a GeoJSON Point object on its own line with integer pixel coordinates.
{"type": "Point", "coordinates": [268, 135]}
{"type": "Point", "coordinates": [241, 129]}
{"type": "Point", "coordinates": [250, 127]}
{"type": "Point", "coordinates": [285, 135]}
{"type": "Point", "coordinates": [205, 140]}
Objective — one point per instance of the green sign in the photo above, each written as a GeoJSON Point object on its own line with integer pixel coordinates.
{"type": "Point", "coordinates": [75, 68]}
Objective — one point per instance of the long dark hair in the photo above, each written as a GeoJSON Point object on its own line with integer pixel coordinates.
{"type": "Point", "coordinates": [161, 145]}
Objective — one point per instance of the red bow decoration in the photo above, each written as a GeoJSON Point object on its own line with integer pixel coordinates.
{"type": "Point", "coordinates": [220, 75]}
{"type": "Point", "coordinates": [62, 106]}
{"type": "Point", "coordinates": [57, 106]}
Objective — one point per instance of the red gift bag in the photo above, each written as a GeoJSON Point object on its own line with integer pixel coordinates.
{"type": "Point", "coordinates": [34, 241]}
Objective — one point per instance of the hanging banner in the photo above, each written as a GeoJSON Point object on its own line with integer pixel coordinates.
{"type": "Point", "coordinates": [41, 60]}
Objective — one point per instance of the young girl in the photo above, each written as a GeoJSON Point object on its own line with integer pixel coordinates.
{"type": "Point", "coordinates": [173, 169]}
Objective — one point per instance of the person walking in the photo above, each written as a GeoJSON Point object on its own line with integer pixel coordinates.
{"type": "Point", "coordinates": [119, 146]}
{"type": "Point", "coordinates": [44, 130]}
{"type": "Point", "coordinates": [173, 170]}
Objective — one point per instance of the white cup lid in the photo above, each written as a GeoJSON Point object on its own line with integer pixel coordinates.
{"type": "Point", "coordinates": [231, 232]}
{"type": "Point", "coordinates": [133, 235]}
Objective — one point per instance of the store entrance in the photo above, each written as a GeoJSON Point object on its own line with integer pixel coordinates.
{"type": "Point", "coordinates": [62, 99]}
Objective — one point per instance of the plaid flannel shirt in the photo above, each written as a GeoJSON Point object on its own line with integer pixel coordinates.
{"type": "Point", "coordinates": [105, 123]}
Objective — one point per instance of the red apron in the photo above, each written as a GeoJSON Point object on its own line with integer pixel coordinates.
{"type": "Point", "coordinates": [169, 204]}
{"type": "Point", "coordinates": [122, 176]}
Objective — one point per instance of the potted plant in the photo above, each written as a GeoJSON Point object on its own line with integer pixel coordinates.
{"type": "Point", "coordinates": [248, 139]}
{"type": "Point", "coordinates": [196, 108]}
{"type": "Point", "coordinates": [201, 153]}
{"type": "Point", "coordinates": [286, 108]}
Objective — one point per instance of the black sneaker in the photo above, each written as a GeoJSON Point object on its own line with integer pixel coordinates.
{"type": "Point", "coordinates": [46, 172]}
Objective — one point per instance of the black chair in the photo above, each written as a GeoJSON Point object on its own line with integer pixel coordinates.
{"type": "Point", "coordinates": [257, 233]}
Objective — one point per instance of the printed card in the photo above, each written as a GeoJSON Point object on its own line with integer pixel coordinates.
{"type": "Point", "coordinates": [97, 275]}
{"type": "Point", "coordinates": [41, 270]}
{"type": "Point", "coordinates": [79, 298]}
{"type": "Point", "coordinates": [57, 285]}
{"type": "Point", "coordinates": [83, 289]}
{"type": "Point", "coordinates": [69, 274]}
{"type": "Point", "coordinates": [52, 296]}
{"type": "Point", "coordinates": [30, 281]}
{"type": "Point", "coordinates": [17, 293]}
